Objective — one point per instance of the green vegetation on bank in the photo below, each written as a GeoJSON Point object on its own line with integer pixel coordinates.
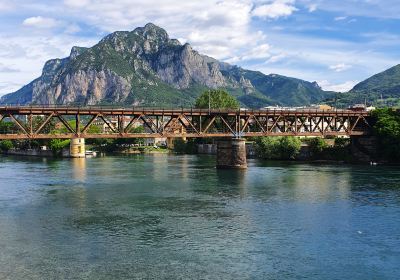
{"type": "Point", "coordinates": [57, 145]}
{"type": "Point", "coordinates": [290, 148]}
{"type": "Point", "coordinates": [337, 149]}
{"type": "Point", "coordinates": [186, 147]}
{"type": "Point", "coordinates": [278, 147]}
{"type": "Point", "coordinates": [387, 130]}
{"type": "Point", "coordinates": [6, 145]}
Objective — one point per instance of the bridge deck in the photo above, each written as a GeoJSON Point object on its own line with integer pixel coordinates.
{"type": "Point", "coordinates": [35, 122]}
{"type": "Point", "coordinates": [161, 111]}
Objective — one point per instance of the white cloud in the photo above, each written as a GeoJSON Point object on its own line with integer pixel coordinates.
{"type": "Point", "coordinates": [342, 87]}
{"type": "Point", "coordinates": [276, 58]}
{"type": "Point", "coordinates": [7, 68]}
{"type": "Point", "coordinates": [72, 28]}
{"type": "Point", "coordinates": [28, 53]}
{"type": "Point", "coordinates": [258, 52]}
{"type": "Point", "coordinates": [8, 87]}
{"type": "Point", "coordinates": [276, 9]}
{"type": "Point", "coordinates": [340, 67]}
{"type": "Point", "coordinates": [5, 6]}
{"type": "Point", "coordinates": [76, 3]}
{"type": "Point", "coordinates": [312, 8]}
{"type": "Point", "coordinates": [340, 18]}
{"type": "Point", "coordinates": [307, 58]}
{"type": "Point", "coordinates": [365, 8]}
{"type": "Point", "coordinates": [40, 22]}
{"type": "Point", "coordinates": [220, 28]}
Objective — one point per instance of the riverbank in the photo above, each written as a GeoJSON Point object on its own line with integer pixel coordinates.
{"type": "Point", "coordinates": [145, 150]}
{"type": "Point", "coordinates": [36, 153]}
{"type": "Point", "coordinates": [313, 150]}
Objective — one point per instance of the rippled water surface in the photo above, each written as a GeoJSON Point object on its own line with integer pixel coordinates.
{"type": "Point", "coordinates": [177, 217]}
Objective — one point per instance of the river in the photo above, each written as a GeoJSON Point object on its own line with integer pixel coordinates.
{"type": "Point", "coordinates": [177, 217]}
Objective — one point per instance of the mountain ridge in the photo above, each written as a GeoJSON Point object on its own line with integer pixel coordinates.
{"type": "Point", "coordinates": [145, 67]}
{"type": "Point", "coordinates": [381, 89]}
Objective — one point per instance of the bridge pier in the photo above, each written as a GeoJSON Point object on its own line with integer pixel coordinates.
{"type": "Point", "coordinates": [77, 148]}
{"type": "Point", "coordinates": [231, 154]}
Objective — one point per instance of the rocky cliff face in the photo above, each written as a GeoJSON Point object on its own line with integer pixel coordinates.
{"type": "Point", "coordinates": [143, 68]}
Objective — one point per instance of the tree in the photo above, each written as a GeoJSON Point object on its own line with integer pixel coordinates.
{"type": "Point", "coordinates": [317, 146]}
{"type": "Point", "coordinates": [387, 129]}
{"type": "Point", "coordinates": [289, 147]}
{"type": "Point", "coordinates": [278, 147]}
{"type": "Point", "coordinates": [56, 145]}
{"type": "Point", "coordinates": [267, 147]}
{"type": "Point", "coordinates": [185, 147]}
{"type": "Point", "coordinates": [7, 127]}
{"type": "Point", "coordinates": [217, 99]}
{"type": "Point", "coordinates": [93, 129]}
{"type": "Point", "coordinates": [6, 145]}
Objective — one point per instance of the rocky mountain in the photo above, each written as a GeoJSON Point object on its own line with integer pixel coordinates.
{"type": "Point", "coordinates": [382, 89]}
{"type": "Point", "coordinates": [147, 68]}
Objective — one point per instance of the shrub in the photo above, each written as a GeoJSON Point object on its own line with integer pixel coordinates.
{"type": "Point", "coordinates": [289, 147]}
{"type": "Point", "coordinates": [278, 147]}
{"type": "Point", "coordinates": [185, 147]}
{"type": "Point", "coordinates": [316, 146]}
{"type": "Point", "coordinates": [56, 145]}
{"type": "Point", "coordinates": [6, 145]}
{"type": "Point", "coordinates": [387, 129]}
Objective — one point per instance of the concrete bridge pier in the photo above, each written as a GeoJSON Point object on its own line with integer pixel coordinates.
{"type": "Point", "coordinates": [77, 148]}
{"type": "Point", "coordinates": [231, 153]}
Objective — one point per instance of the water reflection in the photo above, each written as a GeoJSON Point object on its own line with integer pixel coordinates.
{"type": "Point", "coordinates": [177, 217]}
{"type": "Point", "coordinates": [79, 169]}
{"type": "Point", "coordinates": [230, 183]}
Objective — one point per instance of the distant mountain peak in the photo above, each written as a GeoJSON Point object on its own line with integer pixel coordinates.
{"type": "Point", "coordinates": [316, 85]}
{"type": "Point", "coordinates": [152, 32]}
{"type": "Point", "coordinates": [146, 67]}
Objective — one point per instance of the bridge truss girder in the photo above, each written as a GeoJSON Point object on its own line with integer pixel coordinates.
{"type": "Point", "coordinates": [33, 122]}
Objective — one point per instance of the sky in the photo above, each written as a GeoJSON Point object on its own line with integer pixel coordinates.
{"type": "Point", "coordinates": [336, 43]}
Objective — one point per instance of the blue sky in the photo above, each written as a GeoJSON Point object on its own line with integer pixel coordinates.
{"type": "Point", "coordinates": [336, 43]}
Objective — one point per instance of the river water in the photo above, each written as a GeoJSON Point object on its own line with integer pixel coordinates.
{"type": "Point", "coordinates": [177, 217]}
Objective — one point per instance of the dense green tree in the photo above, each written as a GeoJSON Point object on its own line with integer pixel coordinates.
{"type": "Point", "coordinates": [317, 146]}
{"type": "Point", "coordinates": [289, 147]}
{"type": "Point", "coordinates": [57, 145]}
{"type": "Point", "coordinates": [7, 127]}
{"type": "Point", "coordinates": [216, 99]}
{"type": "Point", "coordinates": [387, 129]}
{"type": "Point", "coordinates": [185, 147]}
{"type": "Point", "coordinates": [267, 147]}
{"type": "Point", "coordinates": [93, 129]}
{"type": "Point", "coordinates": [278, 147]}
{"type": "Point", "coordinates": [6, 145]}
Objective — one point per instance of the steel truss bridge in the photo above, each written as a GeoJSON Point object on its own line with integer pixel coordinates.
{"type": "Point", "coordinates": [33, 122]}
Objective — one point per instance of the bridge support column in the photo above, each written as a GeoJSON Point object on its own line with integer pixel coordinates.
{"type": "Point", "coordinates": [231, 154]}
{"type": "Point", "coordinates": [77, 148]}
{"type": "Point", "coordinates": [170, 143]}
